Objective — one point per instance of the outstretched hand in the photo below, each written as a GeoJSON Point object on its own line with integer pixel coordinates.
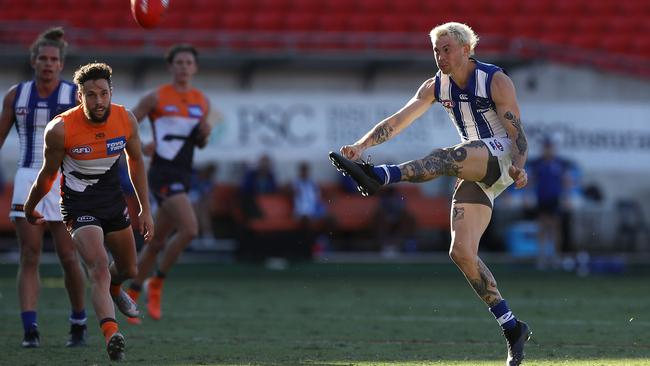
{"type": "Point", "coordinates": [352, 152]}
{"type": "Point", "coordinates": [519, 176]}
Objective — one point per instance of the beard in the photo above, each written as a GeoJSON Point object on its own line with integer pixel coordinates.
{"type": "Point", "coordinates": [94, 118]}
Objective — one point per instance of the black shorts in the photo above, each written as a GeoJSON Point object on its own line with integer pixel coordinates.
{"type": "Point", "coordinates": [112, 218]}
{"type": "Point", "coordinates": [163, 185]}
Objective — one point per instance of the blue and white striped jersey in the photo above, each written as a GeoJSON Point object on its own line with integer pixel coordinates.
{"type": "Point", "coordinates": [471, 109]}
{"type": "Point", "coordinates": [32, 113]}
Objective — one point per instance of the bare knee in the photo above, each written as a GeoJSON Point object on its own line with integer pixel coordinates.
{"type": "Point", "coordinates": [29, 256]}
{"type": "Point", "coordinates": [462, 257]}
{"type": "Point", "coordinates": [189, 233]}
{"type": "Point", "coordinates": [69, 262]}
{"type": "Point", "coordinates": [99, 273]}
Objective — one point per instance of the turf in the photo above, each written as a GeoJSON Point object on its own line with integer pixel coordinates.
{"type": "Point", "coordinates": [332, 314]}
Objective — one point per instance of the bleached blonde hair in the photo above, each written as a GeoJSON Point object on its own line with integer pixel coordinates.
{"type": "Point", "coordinates": [463, 33]}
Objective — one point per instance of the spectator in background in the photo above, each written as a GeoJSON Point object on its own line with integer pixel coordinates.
{"type": "Point", "coordinates": [392, 222]}
{"type": "Point", "coordinates": [201, 197]}
{"type": "Point", "coordinates": [259, 180]}
{"type": "Point", "coordinates": [550, 177]}
{"type": "Point", "coordinates": [310, 210]}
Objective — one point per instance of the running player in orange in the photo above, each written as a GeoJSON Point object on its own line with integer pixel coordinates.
{"type": "Point", "coordinates": [86, 143]}
{"type": "Point", "coordinates": [178, 113]}
{"type": "Point", "coordinates": [29, 106]}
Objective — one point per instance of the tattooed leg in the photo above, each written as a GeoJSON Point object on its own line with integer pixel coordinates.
{"type": "Point", "coordinates": [438, 163]}
{"type": "Point", "coordinates": [484, 284]}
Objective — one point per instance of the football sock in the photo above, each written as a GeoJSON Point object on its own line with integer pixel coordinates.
{"type": "Point", "coordinates": [29, 320]}
{"type": "Point", "coordinates": [78, 317]}
{"type": "Point", "coordinates": [109, 327]}
{"type": "Point", "coordinates": [504, 316]}
{"type": "Point", "coordinates": [388, 173]}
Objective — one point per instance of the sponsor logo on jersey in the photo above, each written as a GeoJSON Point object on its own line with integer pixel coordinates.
{"type": "Point", "coordinates": [447, 103]}
{"type": "Point", "coordinates": [463, 96]}
{"type": "Point", "coordinates": [171, 109]}
{"type": "Point", "coordinates": [22, 111]}
{"type": "Point", "coordinates": [195, 111]}
{"type": "Point", "coordinates": [81, 150]}
{"type": "Point", "coordinates": [41, 104]}
{"type": "Point", "coordinates": [115, 146]}
{"type": "Point", "coordinates": [85, 218]}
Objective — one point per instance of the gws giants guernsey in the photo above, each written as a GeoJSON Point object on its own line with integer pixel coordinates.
{"type": "Point", "coordinates": [90, 177]}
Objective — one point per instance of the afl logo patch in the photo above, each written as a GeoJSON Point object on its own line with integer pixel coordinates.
{"type": "Point", "coordinates": [447, 103]}
{"type": "Point", "coordinates": [81, 150]}
{"type": "Point", "coordinates": [85, 219]}
{"type": "Point", "coordinates": [171, 109]}
{"type": "Point", "coordinates": [115, 146]}
{"type": "Point", "coordinates": [22, 111]}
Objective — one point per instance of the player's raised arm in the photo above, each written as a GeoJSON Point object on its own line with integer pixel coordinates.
{"type": "Point", "coordinates": [393, 125]}
{"type": "Point", "coordinates": [138, 176]}
{"type": "Point", "coordinates": [7, 115]}
{"type": "Point", "coordinates": [53, 154]}
{"type": "Point", "coordinates": [505, 99]}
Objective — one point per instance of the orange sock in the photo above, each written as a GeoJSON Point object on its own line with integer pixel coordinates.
{"type": "Point", "coordinates": [115, 290]}
{"type": "Point", "coordinates": [133, 294]}
{"type": "Point", "coordinates": [156, 282]}
{"type": "Point", "coordinates": [109, 327]}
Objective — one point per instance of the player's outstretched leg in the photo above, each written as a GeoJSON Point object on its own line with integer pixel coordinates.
{"type": "Point", "coordinates": [363, 173]}
{"type": "Point", "coordinates": [124, 302]}
{"type": "Point", "coordinates": [516, 338]}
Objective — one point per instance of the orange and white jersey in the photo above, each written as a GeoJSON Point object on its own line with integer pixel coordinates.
{"type": "Point", "coordinates": [89, 172]}
{"type": "Point", "coordinates": [174, 122]}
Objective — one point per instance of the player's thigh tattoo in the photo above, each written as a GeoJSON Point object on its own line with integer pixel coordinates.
{"type": "Point", "coordinates": [439, 162]}
{"type": "Point", "coordinates": [458, 213]}
{"type": "Point", "coordinates": [486, 285]}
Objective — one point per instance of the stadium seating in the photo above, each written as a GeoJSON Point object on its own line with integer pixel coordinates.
{"type": "Point", "coordinates": [612, 26]}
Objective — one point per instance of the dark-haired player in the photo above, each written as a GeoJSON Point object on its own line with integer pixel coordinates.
{"type": "Point", "coordinates": [86, 143]}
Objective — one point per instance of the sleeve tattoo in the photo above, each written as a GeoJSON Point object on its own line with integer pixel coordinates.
{"type": "Point", "coordinates": [520, 138]}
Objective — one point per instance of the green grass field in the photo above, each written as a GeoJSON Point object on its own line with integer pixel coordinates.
{"type": "Point", "coordinates": [317, 314]}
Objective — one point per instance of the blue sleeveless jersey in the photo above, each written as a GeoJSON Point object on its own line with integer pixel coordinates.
{"type": "Point", "coordinates": [32, 113]}
{"type": "Point", "coordinates": [472, 109]}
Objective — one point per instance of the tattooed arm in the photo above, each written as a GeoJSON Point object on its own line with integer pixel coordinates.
{"type": "Point", "coordinates": [503, 94]}
{"type": "Point", "coordinates": [393, 125]}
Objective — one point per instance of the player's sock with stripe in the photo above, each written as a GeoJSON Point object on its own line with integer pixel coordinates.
{"type": "Point", "coordinates": [109, 327]}
{"type": "Point", "coordinates": [388, 173]}
{"type": "Point", "coordinates": [503, 315]}
{"type": "Point", "coordinates": [78, 317]}
{"type": "Point", "coordinates": [29, 320]}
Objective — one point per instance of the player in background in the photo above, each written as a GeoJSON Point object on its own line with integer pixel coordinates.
{"type": "Point", "coordinates": [29, 106]}
{"type": "Point", "coordinates": [178, 113]}
{"type": "Point", "coordinates": [86, 143]}
{"type": "Point", "coordinates": [481, 101]}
